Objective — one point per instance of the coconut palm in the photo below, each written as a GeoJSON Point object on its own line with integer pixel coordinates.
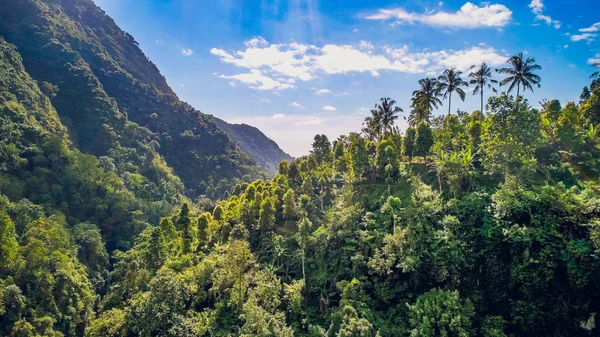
{"type": "Point", "coordinates": [382, 118]}
{"type": "Point", "coordinates": [595, 73]}
{"type": "Point", "coordinates": [481, 78]}
{"type": "Point", "coordinates": [419, 113]}
{"type": "Point", "coordinates": [449, 82]}
{"type": "Point", "coordinates": [521, 73]}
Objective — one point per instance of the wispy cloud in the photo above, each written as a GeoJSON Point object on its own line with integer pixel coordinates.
{"type": "Point", "coordinates": [187, 52]}
{"type": "Point", "coordinates": [588, 34]}
{"type": "Point", "coordinates": [256, 80]}
{"type": "Point", "coordinates": [329, 108]}
{"type": "Point", "coordinates": [594, 60]}
{"type": "Point", "coordinates": [296, 105]}
{"type": "Point", "coordinates": [537, 7]}
{"type": "Point", "coordinates": [277, 116]}
{"type": "Point", "coordinates": [265, 100]}
{"type": "Point", "coordinates": [469, 16]}
{"type": "Point", "coordinates": [160, 42]}
{"type": "Point", "coordinates": [321, 92]}
{"type": "Point", "coordinates": [279, 66]}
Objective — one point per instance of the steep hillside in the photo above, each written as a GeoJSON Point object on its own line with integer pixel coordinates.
{"type": "Point", "coordinates": [100, 80]}
{"type": "Point", "coordinates": [252, 141]}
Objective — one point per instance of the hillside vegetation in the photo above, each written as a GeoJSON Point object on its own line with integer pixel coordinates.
{"type": "Point", "coordinates": [125, 212]}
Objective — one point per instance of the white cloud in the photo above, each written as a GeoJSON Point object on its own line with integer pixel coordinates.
{"type": "Point", "coordinates": [160, 42]}
{"type": "Point", "coordinates": [593, 28]}
{"type": "Point", "coordinates": [469, 16]}
{"type": "Point", "coordinates": [279, 66]}
{"type": "Point", "coordinates": [323, 92]}
{"type": "Point", "coordinates": [296, 105]}
{"type": "Point", "coordinates": [583, 37]}
{"type": "Point", "coordinates": [265, 100]}
{"type": "Point", "coordinates": [187, 52]}
{"type": "Point", "coordinates": [366, 45]}
{"type": "Point", "coordinates": [340, 94]}
{"type": "Point", "coordinates": [329, 108]}
{"type": "Point", "coordinates": [588, 34]}
{"type": "Point", "coordinates": [537, 7]}
{"type": "Point", "coordinates": [278, 116]}
{"type": "Point", "coordinates": [595, 59]}
{"type": "Point", "coordinates": [355, 30]}
{"type": "Point", "coordinates": [256, 80]}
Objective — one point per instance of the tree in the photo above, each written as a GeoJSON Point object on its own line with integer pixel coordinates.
{"type": "Point", "coordinates": [339, 157]}
{"type": "Point", "coordinates": [409, 143]}
{"type": "Point", "coordinates": [424, 101]}
{"type": "Point", "coordinates": [423, 140]}
{"type": "Point", "coordinates": [595, 74]}
{"type": "Point", "coordinates": [321, 149]}
{"type": "Point", "coordinates": [439, 313]}
{"type": "Point", "coordinates": [184, 225]}
{"type": "Point", "coordinates": [283, 168]}
{"type": "Point", "coordinates": [482, 78]}
{"type": "Point", "coordinates": [449, 82]}
{"type": "Point", "coordinates": [383, 117]}
{"type": "Point", "coordinates": [289, 205]}
{"type": "Point", "coordinates": [513, 133]}
{"type": "Point", "coordinates": [585, 94]}
{"type": "Point", "coordinates": [359, 160]}
{"type": "Point", "coordinates": [521, 73]}
{"type": "Point", "coordinates": [9, 247]}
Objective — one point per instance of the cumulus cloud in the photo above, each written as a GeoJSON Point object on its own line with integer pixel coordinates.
{"type": "Point", "coordinates": [187, 52]}
{"type": "Point", "coordinates": [279, 66]}
{"type": "Point", "coordinates": [537, 7]}
{"type": "Point", "coordinates": [595, 59]}
{"type": "Point", "coordinates": [469, 16]}
{"type": "Point", "coordinates": [329, 108]}
{"type": "Point", "coordinates": [296, 105]}
{"type": "Point", "coordinates": [323, 92]}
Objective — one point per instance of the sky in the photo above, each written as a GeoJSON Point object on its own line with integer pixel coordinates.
{"type": "Point", "coordinates": [296, 68]}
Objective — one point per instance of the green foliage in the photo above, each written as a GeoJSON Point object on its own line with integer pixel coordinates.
{"type": "Point", "coordinates": [441, 313]}
{"type": "Point", "coordinates": [423, 140]}
{"type": "Point", "coordinates": [98, 238]}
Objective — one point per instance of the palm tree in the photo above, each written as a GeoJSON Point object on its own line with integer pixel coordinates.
{"type": "Point", "coordinates": [449, 82]}
{"type": "Point", "coordinates": [595, 73]}
{"type": "Point", "coordinates": [382, 118]}
{"type": "Point", "coordinates": [419, 113]}
{"type": "Point", "coordinates": [424, 100]}
{"type": "Point", "coordinates": [482, 77]}
{"type": "Point", "coordinates": [521, 73]}
{"type": "Point", "coordinates": [372, 128]}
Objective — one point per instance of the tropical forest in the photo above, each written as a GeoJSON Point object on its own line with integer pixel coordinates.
{"type": "Point", "coordinates": [126, 212]}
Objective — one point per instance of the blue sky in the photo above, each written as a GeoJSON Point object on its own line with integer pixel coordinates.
{"type": "Point", "coordinates": [294, 68]}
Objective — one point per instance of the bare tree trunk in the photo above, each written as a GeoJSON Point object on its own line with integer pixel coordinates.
{"type": "Point", "coordinates": [449, 103]}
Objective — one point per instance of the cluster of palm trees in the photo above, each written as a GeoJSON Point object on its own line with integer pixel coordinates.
{"type": "Point", "coordinates": [520, 73]}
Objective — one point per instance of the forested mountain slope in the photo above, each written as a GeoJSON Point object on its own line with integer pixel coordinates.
{"type": "Point", "coordinates": [99, 80]}
{"type": "Point", "coordinates": [252, 141]}
{"type": "Point", "coordinates": [482, 224]}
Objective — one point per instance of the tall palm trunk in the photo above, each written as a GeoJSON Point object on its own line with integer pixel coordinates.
{"type": "Point", "coordinates": [449, 103]}
{"type": "Point", "coordinates": [481, 100]}
{"type": "Point", "coordinates": [518, 89]}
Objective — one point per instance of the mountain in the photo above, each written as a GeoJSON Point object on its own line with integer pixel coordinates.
{"type": "Point", "coordinates": [108, 93]}
{"type": "Point", "coordinates": [252, 141]}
